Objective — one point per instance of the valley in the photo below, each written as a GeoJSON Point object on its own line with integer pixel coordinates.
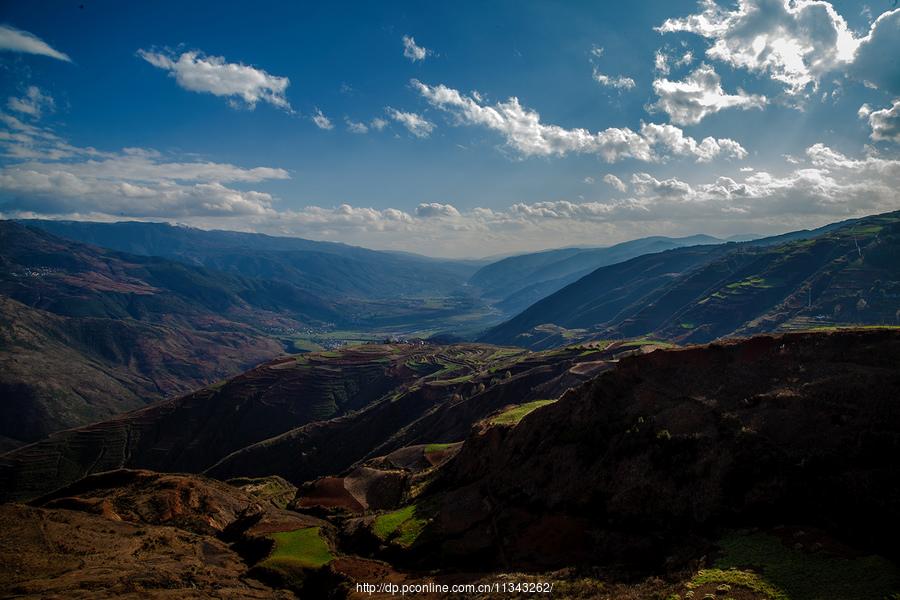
{"type": "Point", "coordinates": [258, 434]}
{"type": "Point", "coordinates": [450, 300]}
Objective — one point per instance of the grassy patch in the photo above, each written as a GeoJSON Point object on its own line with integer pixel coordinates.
{"type": "Point", "coordinates": [272, 489]}
{"type": "Point", "coordinates": [300, 344]}
{"type": "Point", "coordinates": [455, 380]}
{"type": "Point", "coordinates": [737, 578]}
{"type": "Point", "coordinates": [636, 343]}
{"type": "Point", "coordinates": [438, 447]}
{"type": "Point", "coordinates": [301, 548]}
{"type": "Point", "coordinates": [512, 416]}
{"type": "Point", "coordinates": [785, 573]}
{"type": "Point", "coordinates": [850, 326]}
{"type": "Point", "coordinates": [750, 282]}
{"type": "Point", "coordinates": [402, 526]}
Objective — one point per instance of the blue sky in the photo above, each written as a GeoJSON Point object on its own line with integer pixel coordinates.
{"type": "Point", "coordinates": [392, 125]}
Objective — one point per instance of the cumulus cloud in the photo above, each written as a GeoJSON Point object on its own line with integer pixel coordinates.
{"type": "Point", "coordinates": [21, 140]}
{"type": "Point", "coordinates": [885, 123]}
{"type": "Point", "coordinates": [356, 127]}
{"type": "Point", "coordinates": [825, 185]}
{"type": "Point", "coordinates": [241, 84]}
{"type": "Point", "coordinates": [525, 133]}
{"type": "Point", "coordinates": [415, 124]}
{"type": "Point", "coordinates": [619, 82]}
{"type": "Point", "coordinates": [663, 62]}
{"type": "Point", "coordinates": [876, 59]}
{"type": "Point", "coordinates": [378, 124]}
{"type": "Point", "coordinates": [614, 182]}
{"type": "Point", "coordinates": [321, 121]}
{"type": "Point", "coordinates": [53, 177]}
{"type": "Point", "coordinates": [792, 41]}
{"type": "Point", "coordinates": [436, 209]}
{"type": "Point", "coordinates": [32, 104]}
{"type": "Point", "coordinates": [687, 102]}
{"type": "Point", "coordinates": [412, 51]}
{"type": "Point", "coordinates": [16, 40]}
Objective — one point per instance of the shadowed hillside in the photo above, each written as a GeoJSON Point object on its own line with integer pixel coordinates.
{"type": "Point", "coordinates": [307, 415]}
{"type": "Point", "coordinates": [116, 331]}
{"type": "Point", "coordinates": [759, 469]}
{"type": "Point", "coordinates": [845, 274]}
{"type": "Point", "coordinates": [516, 282]}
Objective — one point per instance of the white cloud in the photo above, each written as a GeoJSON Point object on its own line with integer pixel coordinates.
{"type": "Point", "coordinates": [876, 60]}
{"type": "Point", "coordinates": [356, 127]}
{"type": "Point", "coordinates": [415, 124]}
{"type": "Point", "coordinates": [53, 177]}
{"type": "Point", "coordinates": [661, 62]}
{"type": "Point", "coordinates": [793, 41]}
{"type": "Point", "coordinates": [700, 94]}
{"type": "Point", "coordinates": [823, 186]}
{"type": "Point", "coordinates": [619, 82]}
{"type": "Point", "coordinates": [321, 121]}
{"type": "Point", "coordinates": [885, 123]}
{"type": "Point", "coordinates": [412, 51]}
{"type": "Point", "coordinates": [436, 209]}
{"type": "Point", "coordinates": [21, 140]}
{"type": "Point", "coordinates": [378, 124]}
{"type": "Point", "coordinates": [686, 59]}
{"type": "Point", "coordinates": [588, 180]}
{"type": "Point", "coordinates": [33, 103]}
{"type": "Point", "coordinates": [614, 182]}
{"type": "Point", "coordinates": [50, 178]}
{"type": "Point", "coordinates": [525, 133]}
{"type": "Point", "coordinates": [596, 51]}
{"type": "Point", "coordinates": [647, 185]}
{"type": "Point", "coordinates": [16, 40]}
{"type": "Point", "coordinates": [241, 84]}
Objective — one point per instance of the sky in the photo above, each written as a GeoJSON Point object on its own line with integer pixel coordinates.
{"type": "Point", "coordinates": [457, 129]}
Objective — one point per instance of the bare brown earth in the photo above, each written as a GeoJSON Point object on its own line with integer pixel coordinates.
{"type": "Point", "coordinates": [87, 333]}
{"type": "Point", "coordinates": [138, 534]}
{"type": "Point", "coordinates": [100, 368]}
{"type": "Point", "coordinates": [624, 488]}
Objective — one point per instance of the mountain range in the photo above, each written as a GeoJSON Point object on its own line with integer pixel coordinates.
{"type": "Point", "coordinates": [516, 282]}
{"type": "Point", "coordinates": [842, 274]}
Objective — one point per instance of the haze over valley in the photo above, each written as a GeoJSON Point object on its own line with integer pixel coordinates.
{"type": "Point", "coordinates": [456, 300]}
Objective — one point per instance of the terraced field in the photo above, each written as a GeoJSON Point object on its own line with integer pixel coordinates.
{"type": "Point", "coordinates": [331, 409]}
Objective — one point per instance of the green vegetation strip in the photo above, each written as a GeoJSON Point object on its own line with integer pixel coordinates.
{"type": "Point", "coordinates": [515, 414]}
{"type": "Point", "coordinates": [402, 526]}
{"type": "Point", "coordinates": [438, 447]}
{"type": "Point", "coordinates": [738, 578]}
{"type": "Point", "coordinates": [764, 564]}
{"type": "Point", "coordinates": [304, 548]}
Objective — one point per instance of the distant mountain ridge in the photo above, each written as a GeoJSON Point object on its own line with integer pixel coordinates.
{"type": "Point", "coordinates": [516, 282]}
{"type": "Point", "coordinates": [86, 333]}
{"type": "Point", "coordinates": [838, 274]}
{"type": "Point", "coordinates": [320, 267]}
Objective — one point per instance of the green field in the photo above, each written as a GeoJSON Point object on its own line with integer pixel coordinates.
{"type": "Point", "coordinates": [765, 564]}
{"type": "Point", "coordinates": [302, 548]}
{"type": "Point", "coordinates": [512, 416]}
{"type": "Point", "coordinates": [402, 526]}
